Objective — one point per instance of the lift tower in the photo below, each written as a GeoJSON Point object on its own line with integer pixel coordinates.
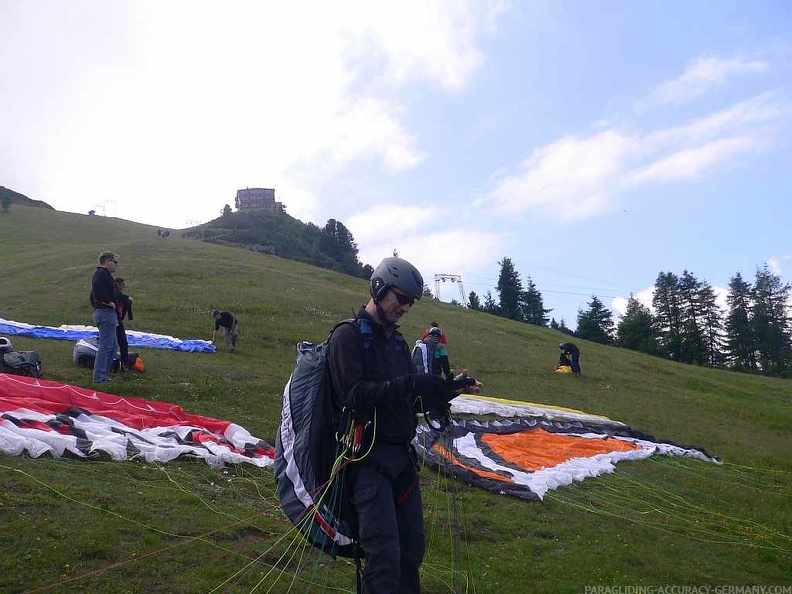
{"type": "Point", "coordinates": [454, 278]}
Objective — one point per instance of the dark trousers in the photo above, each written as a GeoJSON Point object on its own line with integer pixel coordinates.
{"type": "Point", "coordinates": [386, 497]}
{"type": "Point", "coordinates": [575, 361]}
{"type": "Point", "coordinates": [123, 344]}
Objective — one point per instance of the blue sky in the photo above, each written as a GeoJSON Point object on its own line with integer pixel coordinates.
{"type": "Point", "coordinates": [595, 144]}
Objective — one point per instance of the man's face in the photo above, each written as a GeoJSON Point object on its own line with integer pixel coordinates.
{"type": "Point", "coordinates": [392, 305]}
{"type": "Point", "coordinates": [111, 265]}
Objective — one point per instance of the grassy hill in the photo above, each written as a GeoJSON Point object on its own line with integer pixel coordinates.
{"type": "Point", "coordinates": [99, 526]}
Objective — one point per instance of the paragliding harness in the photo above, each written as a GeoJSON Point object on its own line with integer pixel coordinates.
{"type": "Point", "coordinates": [84, 355]}
{"type": "Point", "coordinates": [423, 356]}
{"type": "Point", "coordinates": [315, 442]}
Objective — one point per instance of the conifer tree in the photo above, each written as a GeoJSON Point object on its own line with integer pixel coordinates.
{"type": "Point", "coordinates": [740, 338]}
{"type": "Point", "coordinates": [339, 244]}
{"type": "Point", "coordinates": [711, 322]}
{"type": "Point", "coordinates": [668, 321]}
{"type": "Point", "coordinates": [533, 310]}
{"type": "Point", "coordinates": [595, 324]}
{"type": "Point", "coordinates": [563, 328]}
{"type": "Point", "coordinates": [692, 349]}
{"type": "Point", "coordinates": [473, 301]}
{"type": "Point", "coordinates": [771, 322]}
{"type": "Point", "coordinates": [635, 330]}
{"type": "Point", "coordinates": [489, 304]}
{"type": "Point", "coordinates": [510, 291]}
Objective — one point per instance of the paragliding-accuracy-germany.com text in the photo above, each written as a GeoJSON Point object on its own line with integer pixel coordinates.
{"type": "Point", "coordinates": [687, 590]}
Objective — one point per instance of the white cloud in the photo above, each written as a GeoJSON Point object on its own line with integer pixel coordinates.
{"type": "Point", "coordinates": [776, 263]}
{"type": "Point", "coordinates": [592, 172]}
{"type": "Point", "coordinates": [703, 75]}
{"type": "Point", "coordinates": [644, 297]}
{"type": "Point", "coordinates": [167, 107]}
{"type": "Point", "coordinates": [570, 169]}
{"type": "Point", "coordinates": [412, 232]}
{"type": "Point", "coordinates": [690, 162]}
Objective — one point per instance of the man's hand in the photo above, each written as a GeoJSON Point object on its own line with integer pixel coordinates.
{"type": "Point", "coordinates": [434, 390]}
{"type": "Point", "coordinates": [464, 384]}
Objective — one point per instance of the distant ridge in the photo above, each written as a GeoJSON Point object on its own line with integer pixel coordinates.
{"type": "Point", "coordinates": [17, 198]}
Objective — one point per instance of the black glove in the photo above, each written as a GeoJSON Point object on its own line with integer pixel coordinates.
{"type": "Point", "coordinates": [434, 390]}
{"type": "Point", "coordinates": [439, 417]}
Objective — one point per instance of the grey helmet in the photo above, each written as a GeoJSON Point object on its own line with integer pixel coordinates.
{"type": "Point", "coordinates": [5, 345]}
{"type": "Point", "coordinates": [395, 272]}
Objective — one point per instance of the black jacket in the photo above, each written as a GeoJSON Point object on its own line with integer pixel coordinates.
{"type": "Point", "coordinates": [374, 378]}
{"type": "Point", "coordinates": [102, 288]}
{"type": "Point", "coordinates": [123, 306]}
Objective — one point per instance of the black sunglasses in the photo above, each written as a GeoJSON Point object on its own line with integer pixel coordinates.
{"type": "Point", "coordinates": [403, 299]}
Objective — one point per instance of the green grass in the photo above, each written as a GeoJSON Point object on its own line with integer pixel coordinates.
{"type": "Point", "coordinates": [99, 526]}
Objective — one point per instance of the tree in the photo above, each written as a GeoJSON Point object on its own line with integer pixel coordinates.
{"type": "Point", "coordinates": [510, 290]}
{"type": "Point", "coordinates": [771, 322]}
{"type": "Point", "coordinates": [427, 292]}
{"type": "Point", "coordinates": [489, 304]}
{"type": "Point", "coordinates": [668, 322]}
{"type": "Point", "coordinates": [740, 336]}
{"type": "Point", "coordinates": [337, 242]}
{"type": "Point", "coordinates": [473, 301]}
{"type": "Point", "coordinates": [6, 202]}
{"type": "Point", "coordinates": [635, 330]}
{"type": "Point", "coordinates": [226, 210]}
{"type": "Point", "coordinates": [596, 324]}
{"type": "Point", "coordinates": [533, 310]}
{"type": "Point", "coordinates": [561, 326]}
{"type": "Point", "coordinates": [692, 348]}
{"type": "Point", "coordinates": [711, 320]}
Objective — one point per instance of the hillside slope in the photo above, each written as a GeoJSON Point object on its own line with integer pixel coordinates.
{"type": "Point", "coordinates": [48, 257]}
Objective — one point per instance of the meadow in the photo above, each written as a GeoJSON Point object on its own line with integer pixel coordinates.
{"type": "Point", "coordinates": [97, 526]}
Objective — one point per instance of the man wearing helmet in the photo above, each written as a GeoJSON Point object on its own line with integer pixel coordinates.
{"type": "Point", "coordinates": [379, 384]}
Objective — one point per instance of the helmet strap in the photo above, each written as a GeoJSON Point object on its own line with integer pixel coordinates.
{"type": "Point", "coordinates": [381, 315]}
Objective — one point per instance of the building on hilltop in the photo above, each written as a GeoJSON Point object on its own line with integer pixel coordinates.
{"type": "Point", "coordinates": [257, 198]}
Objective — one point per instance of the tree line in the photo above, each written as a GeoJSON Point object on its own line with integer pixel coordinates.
{"type": "Point", "coordinates": [685, 323]}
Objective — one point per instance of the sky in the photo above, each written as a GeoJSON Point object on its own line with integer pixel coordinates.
{"type": "Point", "coordinates": [594, 143]}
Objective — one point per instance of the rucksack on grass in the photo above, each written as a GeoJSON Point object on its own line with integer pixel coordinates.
{"type": "Point", "coordinates": [306, 446]}
{"type": "Point", "coordinates": [25, 363]}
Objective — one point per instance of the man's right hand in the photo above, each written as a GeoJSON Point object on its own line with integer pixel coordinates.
{"type": "Point", "coordinates": [434, 390]}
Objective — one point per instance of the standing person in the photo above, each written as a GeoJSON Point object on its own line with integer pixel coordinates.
{"type": "Point", "coordinates": [378, 383]}
{"type": "Point", "coordinates": [437, 337]}
{"type": "Point", "coordinates": [230, 325]}
{"type": "Point", "coordinates": [571, 353]}
{"type": "Point", "coordinates": [104, 315]}
{"type": "Point", "coordinates": [123, 304]}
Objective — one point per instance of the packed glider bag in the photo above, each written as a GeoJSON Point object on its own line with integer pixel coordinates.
{"type": "Point", "coordinates": [306, 446]}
